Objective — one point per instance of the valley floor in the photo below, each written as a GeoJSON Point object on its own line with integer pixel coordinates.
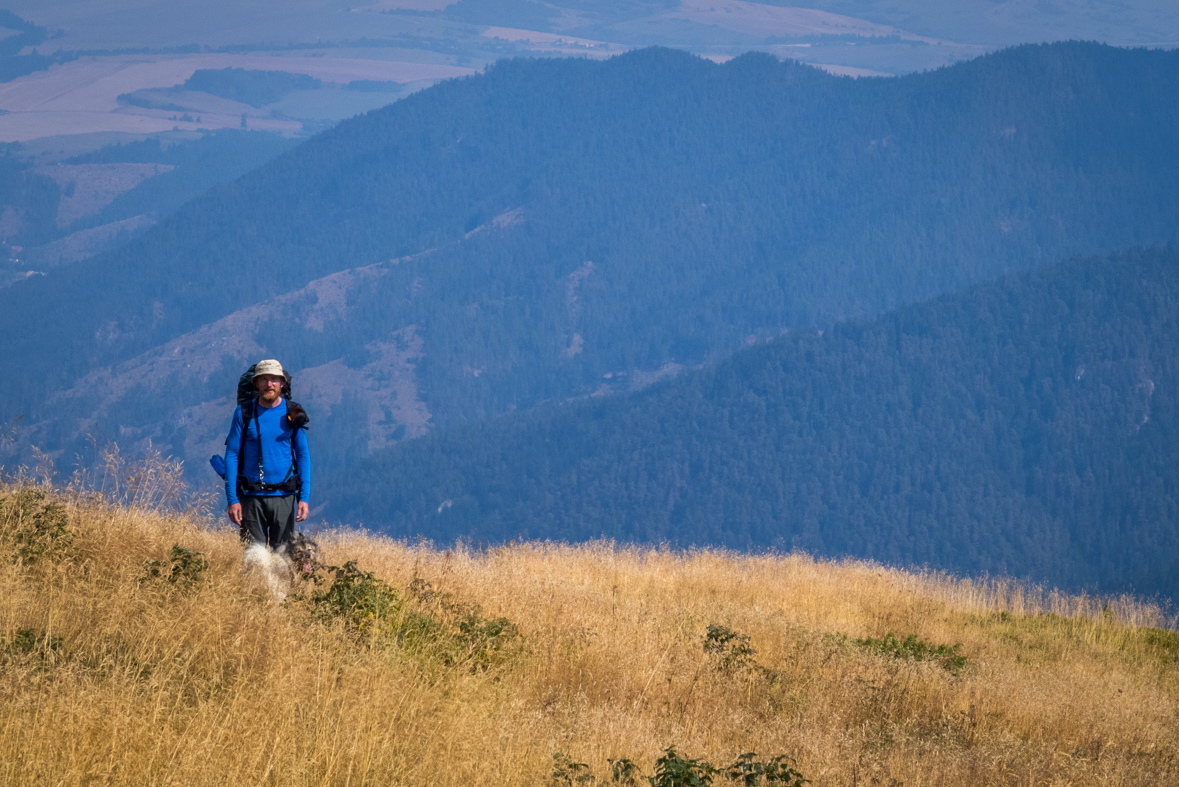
{"type": "Point", "coordinates": [124, 660]}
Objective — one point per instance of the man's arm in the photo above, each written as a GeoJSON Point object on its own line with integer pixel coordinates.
{"type": "Point", "coordinates": [232, 446]}
{"type": "Point", "coordinates": [303, 466]}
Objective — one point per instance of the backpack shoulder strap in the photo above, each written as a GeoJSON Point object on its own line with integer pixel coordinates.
{"type": "Point", "coordinates": [294, 429]}
{"type": "Point", "coordinates": [247, 408]}
{"type": "Point", "coordinates": [293, 411]}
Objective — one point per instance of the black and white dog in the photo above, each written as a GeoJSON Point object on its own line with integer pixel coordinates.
{"type": "Point", "coordinates": [278, 569]}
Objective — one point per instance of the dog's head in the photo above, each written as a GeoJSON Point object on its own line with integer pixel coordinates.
{"type": "Point", "coordinates": [303, 554]}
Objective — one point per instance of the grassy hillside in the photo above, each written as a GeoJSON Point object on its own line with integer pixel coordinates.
{"type": "Point", "coordinates": [476, 668]}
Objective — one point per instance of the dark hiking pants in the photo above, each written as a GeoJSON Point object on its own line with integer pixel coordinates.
{"type": "Point", "coordinates": [268, 520]}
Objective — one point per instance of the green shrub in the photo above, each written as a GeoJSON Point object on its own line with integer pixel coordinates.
{"type": "Point", "coordinates": [36, 527]}
{"type": "Point", "coordinates": [373, 612]}
{"type": "Point", "coordinates": [731, 652]}
{"type": "Point", "coordinates": [914, 649]}
{"type": "Point", "coordinates": [27, 646]}
{"type": "Point", "coordinates": [185, 567]}
{"type": "Point", "coordinates": [672, 770]}
{"type": "Point", "coordinates": [749, 772]}
{"type": "Point", "coordinates": [731, 649]}
{"type": "Point", "coordinates": [439, 627]}
{"type": "Point", "coordinates": [567, 773]}
{"type": "Point", "coordinates": [474, 638]}
{"type": "Point", "coordinates": [485, 641]}
{"type": "Point", "coordinates": [358, 598]}
{"type": "Point", "coordinates": [624, 772]}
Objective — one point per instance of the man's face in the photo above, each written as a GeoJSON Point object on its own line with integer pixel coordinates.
{"type": "Point", "coordinates": [269, 388]}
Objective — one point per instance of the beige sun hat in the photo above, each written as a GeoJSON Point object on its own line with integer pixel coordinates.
{"type": "Point", "coordinates": [269, 366]}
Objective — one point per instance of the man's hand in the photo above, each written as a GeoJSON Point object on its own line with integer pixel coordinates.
{"type": "Point", "coordinates": [304, 511]}
{"type": "Point", "coordinates": [235, 513]}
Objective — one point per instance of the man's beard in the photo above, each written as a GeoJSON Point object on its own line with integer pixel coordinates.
{"type": "Point", "coordinates": [269, 397]}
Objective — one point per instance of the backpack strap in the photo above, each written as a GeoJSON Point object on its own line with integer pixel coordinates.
{"type": "Point", "coordinates": [293, 472]}
{"type": "Point", "coordinates": [247, 408]}
{"type": "Point", "coordinates": [297, 417]}
{"type": "Point", "coordinates": [247, 414]}
{"type": "Point", "coordinates": [258, 434]}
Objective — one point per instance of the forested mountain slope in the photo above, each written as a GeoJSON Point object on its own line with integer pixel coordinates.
{"type": "Point", "coordinates": [1026, 427]}
{"type": "Point", "coordinates": [550, 227]}
{"type": "Point", "coordinates": [57, 209]}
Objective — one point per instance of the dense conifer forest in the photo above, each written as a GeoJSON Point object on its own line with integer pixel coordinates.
{"type": "Point", "coordinates": [715, 203]}
{"type": "Point", "coordinates": [1025, 427]}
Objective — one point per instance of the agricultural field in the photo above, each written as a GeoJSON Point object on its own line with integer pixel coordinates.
{"type": "Point", "coordinates": [83, 96]}
{"type": "Point", "coordinates": [76, 76]}
{"type": "Point", "coordinates": [115, 49]}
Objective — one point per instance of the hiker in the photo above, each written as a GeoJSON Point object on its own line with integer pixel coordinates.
{"type": "Point", "coordinates": [267, 462]}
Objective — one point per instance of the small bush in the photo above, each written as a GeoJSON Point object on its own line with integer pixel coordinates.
{"type": "Point", "coordinates": [625, 772]}
{"type": "Point", "coordinates": [749, 772]}
{"type": "Point", "coordinates": [439, 627]}
{"type": "Point", "coordinates": [732, 652]}
{"type": "Point", "coordinates": [36, 527]}
{"type": "Point", "coordinates": [372, 611]}
{"type": "Point", "coordinates": [482, 641]}
{"type": "Point", "coordinates": [185, 567]}
{"type": "Point", "coordinates": [27, 646]}
{"type": "Point", "coordinates": [730, 648]}
{"type": "Point", "coordinates": [358, 598]}
{"type": "Point", "coordinates": [485, 640]}
{"type": "Point", "coordinates": [673, 770]}
{"type": "Point", "coordinates": [914, 649]}
{"type": "Point", "coordinates": [567, 773]}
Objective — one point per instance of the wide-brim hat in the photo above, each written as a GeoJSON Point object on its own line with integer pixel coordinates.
{"type": "Point", "coordinates": [270, 367]}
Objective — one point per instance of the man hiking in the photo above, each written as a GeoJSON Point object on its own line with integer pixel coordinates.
{"type": "Point", "coordinates": [267, 462]}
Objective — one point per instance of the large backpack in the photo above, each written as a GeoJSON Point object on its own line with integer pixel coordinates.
{"type": "Point", "coordinates": [247, 396]}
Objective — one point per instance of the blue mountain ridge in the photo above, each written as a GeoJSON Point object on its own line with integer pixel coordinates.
{"type": "Point", "coordinates": [1026, 427]}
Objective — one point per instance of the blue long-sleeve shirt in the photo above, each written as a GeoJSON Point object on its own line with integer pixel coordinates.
{"type": "Point", "coordinates": [276, 452]}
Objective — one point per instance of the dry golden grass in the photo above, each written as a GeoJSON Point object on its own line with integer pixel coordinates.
{"type": "Point", "coordinates": [154, 683]}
